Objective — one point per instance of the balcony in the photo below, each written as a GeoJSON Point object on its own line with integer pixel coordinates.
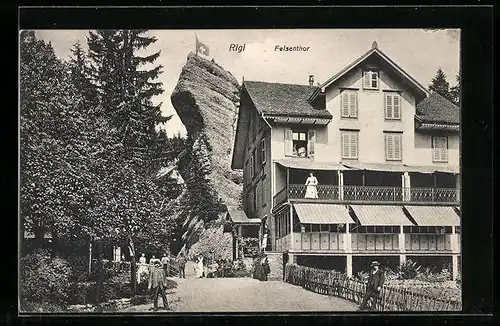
{"type": "Point", "coordinates": [348, 193]}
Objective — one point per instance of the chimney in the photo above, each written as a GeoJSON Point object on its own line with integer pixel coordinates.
{"type": "Point", "coordinates": [311, 80]}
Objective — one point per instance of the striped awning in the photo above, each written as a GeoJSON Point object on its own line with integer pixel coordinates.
{"type": "Point", "coordinates": [381, 215]}
{"type": "Point", "coordinates": [308, 164]}
{"type": "Point", "coordinates": [315, 213]}
{"type": "Point", "coordinates": [386, 167]}
{"type": "Point", "coordinates": [434, 215]}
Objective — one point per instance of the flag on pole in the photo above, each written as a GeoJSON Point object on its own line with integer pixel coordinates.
{"type": "Point", "coordinates": [201, 48]}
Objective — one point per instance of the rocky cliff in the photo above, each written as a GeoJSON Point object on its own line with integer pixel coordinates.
{"type": "Point", "coordinates": [206, 99]}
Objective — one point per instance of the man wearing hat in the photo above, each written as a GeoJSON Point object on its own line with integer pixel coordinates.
{"type": "Point", "coordinates": [157, 282]}
{"type": "Point", "coordinates": [374, 286]}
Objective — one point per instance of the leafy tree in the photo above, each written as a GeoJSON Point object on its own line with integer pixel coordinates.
{"type": "Point", "coordinates": [440, 85]}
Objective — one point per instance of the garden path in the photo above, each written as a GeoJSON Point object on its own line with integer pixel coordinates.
{"type": "Point", "coordinates": [243, 295]}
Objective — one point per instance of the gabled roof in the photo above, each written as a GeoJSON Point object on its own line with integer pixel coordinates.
{"type": "Point", "coordinates": [237, 216]}
{"type": "Point", "coordinates": [283, 99]}
{"type": "Point", "coordinates": [437, 109]}
{"type": "Point", "coordinates": [417, 87]}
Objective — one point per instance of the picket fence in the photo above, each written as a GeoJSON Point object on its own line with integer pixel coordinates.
{"type": "Point", "coordinates": [338, 284]}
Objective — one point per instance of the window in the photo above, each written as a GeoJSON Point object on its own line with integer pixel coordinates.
{"type": "Point", "coordinates": [263, 194]}
{"type": "Point", "coordinates": [254, 200]}
{"type": "Point", "coordinates": [263, 150]}
{"type": "Point", "coordinates": [252, 165]}
{"type": "Point", "coordinates": [392, 106]}
{"type": "Point", "coordinates": [440, 149]}
{"type": "Point", "coordinates": [370, 79]}
{"type": "Point", "coordinates": [349, 144]}
{"type": "Point", "coordinates": [349, 105]}
{"type": "Point", "coordinates": [299, 142]}
{"type": "Point", "coordinates": [393, 146]}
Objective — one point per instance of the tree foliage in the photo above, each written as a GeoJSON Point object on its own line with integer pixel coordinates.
{"type": "Point", "coordinates": [440, 85]}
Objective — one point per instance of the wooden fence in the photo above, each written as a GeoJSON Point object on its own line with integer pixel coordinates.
{"type": "Point", "coordinates": [338, 284]}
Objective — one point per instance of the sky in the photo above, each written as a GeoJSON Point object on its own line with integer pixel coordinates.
{"type": "Point", "coordinates": [418, 52]}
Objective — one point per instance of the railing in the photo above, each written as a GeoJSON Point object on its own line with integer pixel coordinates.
{"type": "Point", "coordinates": [280, 197]}
{"type": "Point", "coordinates": [391, 298]}
{"type": "Point", "coordinates": [369, 193]}
{"type": "Point", "coordinates": [373, 193]}
{"type": "Point", "coordinates": [441, 195]}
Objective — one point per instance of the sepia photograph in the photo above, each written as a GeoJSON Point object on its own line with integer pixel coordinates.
{"type": "Point", "coordinates": [252, 170]}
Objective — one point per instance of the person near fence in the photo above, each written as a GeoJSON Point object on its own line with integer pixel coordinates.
{"type": "Point", "coordinates": [265, 267]}
{"type": "Point", "coordinates": [157, 284]}
{"type": "Point", "coordinates": [143, 268]}
{"type": "Point", "coordinates": [311, 183]}
{"type": "Point", "coordinates": [182, 265]}
{"type": "Point", "coordinates": [374, 285]}
{"type": "Point", "coordinates": [152, 260]}
{"type": "Point", "coordinates": [165, 261]}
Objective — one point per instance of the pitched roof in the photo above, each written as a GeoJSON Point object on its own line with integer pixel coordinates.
{"type": "Point", "coordinates": [436, 108]}
{"type": "Point", "coordinates": [283, 99]}
{"type": "Point", "coordinates": [240, 217]}
{"type": "Point", "coordinates": [418, 88]}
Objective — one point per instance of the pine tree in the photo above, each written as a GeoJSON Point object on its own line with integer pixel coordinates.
{"type": "Point", "coordinates": [440, 85]}
{"type": "Point", "coordinates": [455, 91]}
{"type": "Point", "coordinates": [126, 88]}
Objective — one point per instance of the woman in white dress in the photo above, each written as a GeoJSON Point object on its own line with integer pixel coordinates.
{"type": "Point", "coordinates": [143, 269]}
{"type": "Point", "coordinates": [311, 183]}
{"type": "Point", "coordinates": [199, 267]}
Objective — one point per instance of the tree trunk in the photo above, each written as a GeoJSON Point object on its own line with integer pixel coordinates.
{"type": "Point", "coordinates": [39, 237]}
{"type": "Point", "coordinates": [90, 257]}
{"type": "Point", "coordinates": [54, 245]}
{"type": "Point", "coordinates": [100, 271]}
{"type": "Point", "coordinates": [133, 265]}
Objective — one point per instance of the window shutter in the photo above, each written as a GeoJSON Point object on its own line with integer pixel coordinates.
{"type": "Point", "coordinates": [353, 105]}
{"type": "Point", "coordinates": [345, 104]}
{"type": "Point", "coordinates": [354, 145]}
{"type": "Point", "coordinates": [288, 142]}
{"type": "Point", "coordinates": [396, 111]}
{"type": "Point", "coordinates": [435, 149]}
{"type": "Point", "coordinates": [444, 150]}
{"type": "Point", "coordinates": [397, 147]}
{"type": "Point", "coordinates": [263, 150]}
{"type": "Point", "coordinates": [366, 79]}
{"type": "Point", "coordinates": [345, 145]}
{"type": "Point", "coordinates": [389, 153]}
{"type": "Point", "coordinates": [311, 136]}
{"type": "Point", "coordinates": [263, 192]}
{"type": "Point", "coordinates": [388, 106]}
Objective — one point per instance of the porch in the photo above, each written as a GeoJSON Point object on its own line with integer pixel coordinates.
{"type": "Point", "coordinates": [365, 183]}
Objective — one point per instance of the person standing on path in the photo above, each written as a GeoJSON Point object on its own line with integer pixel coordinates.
{"type": "Point", "coordinates": [157, 283]}
{"type": "Point", "coordinates": [182, 265]}
{"type": "Point", "coordinates": [265, 267]}
{"type": "Point", "coordinates": [199, 267]}
{"type": "Point", "coordinates": [374, 286]}
{"type": "Point", "coordinates": [165, 261]}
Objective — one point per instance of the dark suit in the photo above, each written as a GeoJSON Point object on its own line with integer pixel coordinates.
{"type": "Point", "coordinates": [374, 282]}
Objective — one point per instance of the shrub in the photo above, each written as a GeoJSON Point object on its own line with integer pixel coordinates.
{"type": "Point", "coordinates": [44, 280]}
{"type": "Point", "coordinates": [408, 270]}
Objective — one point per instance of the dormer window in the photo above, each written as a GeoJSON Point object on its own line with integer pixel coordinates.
{"type": "Point", "coordinates": [370, 79]}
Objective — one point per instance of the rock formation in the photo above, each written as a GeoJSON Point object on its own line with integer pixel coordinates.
{"type": "Point", "coordinates": [206, 99]}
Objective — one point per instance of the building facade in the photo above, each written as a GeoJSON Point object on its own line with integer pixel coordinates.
{"type": "Point", "coordinates": [384, 151]}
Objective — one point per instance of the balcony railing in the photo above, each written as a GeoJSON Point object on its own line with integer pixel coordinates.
{"type": "Point", "coordinates": [369, 193]}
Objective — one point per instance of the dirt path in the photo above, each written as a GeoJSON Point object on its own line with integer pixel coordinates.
{"type": "Point", "coordinates": [243, 295]}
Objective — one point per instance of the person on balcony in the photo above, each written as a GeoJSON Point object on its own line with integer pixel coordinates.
{"type": "Point", "coordinates": [311, 183]}
{"type": "Point", "coordinates": [374, 286]}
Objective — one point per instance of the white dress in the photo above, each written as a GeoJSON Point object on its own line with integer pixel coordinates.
{"type": "Point", "coordinates": [311, 191]}
{"type": "Point", "coordinates": [199, 267]}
